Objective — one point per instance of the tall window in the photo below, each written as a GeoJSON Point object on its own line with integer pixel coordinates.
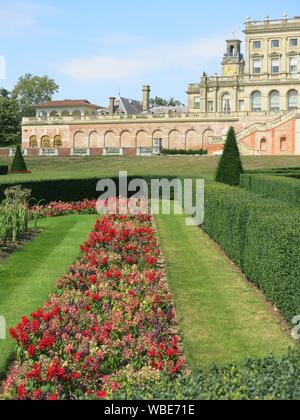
{"type": "Point", "coordinates": [197, 102]}
{"type": "Point", "coordinates": [294, 65]}
{"type": "Point", "coordinates": [283, 144]}
{"type": "Point", "coordinates": [45, 142]}
{"type": "Point", "coordinates": [274, 101]}
{"type": "Point", "coordinates": [275, 65]}
{"type": "Point", "coordinates": [257, 66]}
{"type": "Point", "coordinates": [275, 43]}
{"type": "Point", "coordinates": [256, 45]}
{"type": "Point", "coordinates": [292, 100]}
{"type": "Point", "coordinates": [242, 105]}
{"type": "Point", "coordinates": [33, 141]}
{"type": "Point", "coordinates": [210, 106]}
{"type": "Point", "coordinates": [57, 141]}
{"type": "Point", "coordinates": [256, 101]}
{"type": "Point", "coordinates": [263, 144]}
{"type": "Point", "coordinates": [226, 104]}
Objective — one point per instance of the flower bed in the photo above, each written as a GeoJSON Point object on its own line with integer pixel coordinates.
{"type": "Point", "coordinates": [59, 208]}
{"type": "Point", "coordinates": [113, 314]}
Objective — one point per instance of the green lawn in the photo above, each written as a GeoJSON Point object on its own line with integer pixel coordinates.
{"type": "Point", "coordinates": [51, 168]}
{"type": "Point", "coordinates": [221, 318]}
{"type": "Point", "coordinates": [28, 276]}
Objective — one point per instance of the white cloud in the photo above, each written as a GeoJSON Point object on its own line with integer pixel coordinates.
{"type": "Point", "coordinates": [168, 57]}
{"type": "Point", "coordinates": [18, 16]}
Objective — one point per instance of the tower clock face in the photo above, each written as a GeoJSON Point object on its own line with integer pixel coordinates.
{"type": "Point", "coordinates": [230, 71]}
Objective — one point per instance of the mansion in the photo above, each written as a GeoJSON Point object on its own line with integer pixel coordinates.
{"type": "Point", "coordinates": [257, 93]}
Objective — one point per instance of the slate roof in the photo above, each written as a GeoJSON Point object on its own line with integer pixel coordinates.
{"type": "Point", "coordinates": [67, 103]}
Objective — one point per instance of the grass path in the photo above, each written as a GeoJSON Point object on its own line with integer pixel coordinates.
{"type": "Point", "coordinates": [28, 276]}
{"type": "Point", "coordinates": [221, 317]}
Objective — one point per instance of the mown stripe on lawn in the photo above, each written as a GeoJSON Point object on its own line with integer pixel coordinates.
{"type": "Point", "coordinates": [28, 276]}
{"type": "Point", "coordinates": [221, 317]}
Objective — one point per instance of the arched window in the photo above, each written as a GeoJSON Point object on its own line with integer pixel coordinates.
{"type": "Point", "coordinates": [292, 100]}
{"type": "Point", "coordinates": [283, 144]}
{"type": "Point", "coordinates": [256, 101]}
{"type": "Point", "coordinates": [33, 142]}
{"type": "Point", "coordinates": [57, 141]}
{"type": "Point", "coordinates": [274, 99]}
{"type": "Point", "coordinates": [263, 144]}
{"type": "Point", "coordinates": [226, 104]}
{"type": "Point", "coordinates": [45, 142]}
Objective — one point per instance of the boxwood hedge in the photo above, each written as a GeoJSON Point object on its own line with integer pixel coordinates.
{"type": "Point", "coordinates": [284, 188]}
{"type": "Point", "coordinates": [68, 189]}
{"type": "Point", "coordinates": [266, 379]}
{"type": "Point", "coordinates": [262, 237]}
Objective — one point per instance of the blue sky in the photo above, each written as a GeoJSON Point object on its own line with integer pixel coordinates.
{"type": "Point", "coordinates": [94, 49]}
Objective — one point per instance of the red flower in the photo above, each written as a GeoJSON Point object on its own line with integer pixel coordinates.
{"type": "Point", "coordinates": [22, 392]}
{"type": "Point", "coordinates": [101, 395]}
{"type": "Point", "coordinates": [31, 351]}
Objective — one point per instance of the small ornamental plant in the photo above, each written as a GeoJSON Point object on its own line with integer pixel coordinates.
{"type": "Point", "coordinates": [230, 168]}
{"type": "Point", "coordinates": [18, 164]}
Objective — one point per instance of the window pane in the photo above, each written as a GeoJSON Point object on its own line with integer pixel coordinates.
{"type": "Point", "coordinates": [257, 66]}
{"type": "Point", "coordinates": [293, 100]}
{"type": "Point", "coordinates": [256, 44]}
{"type": "Point", "coordinates": [294, 65]}
{"type": "Point", "coordinates": [256, 102]}
{"type": "Point", "coordinates": [275, 65]}
{"type": "Point", "coordinates": [275, 101]}
{"type": "Point", "coordinates": [197, 102]}
{"type": "Point", "coordinates": [275, 43]}
{"type": "Point", "coordinates": [294, 42]}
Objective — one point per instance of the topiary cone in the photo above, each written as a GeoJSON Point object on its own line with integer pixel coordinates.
{"type": "Point", "coordinates": [230, 166]}
{"type": "Point", "coordinates": [18, 164]}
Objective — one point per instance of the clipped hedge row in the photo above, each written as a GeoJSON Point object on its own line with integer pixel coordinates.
{"type": "Point", "coordinates": [262, 237]}
{"type": "Point", "coordinates": [3, 170]}
{"type": "Point", "coordinates": [189, 152]}
{"type": "Point", "coordinates": [69, 190]}
{"type": "Point", "coordinates": [265, 379]}
{"type": "Point", "coordinates": [283, 188]}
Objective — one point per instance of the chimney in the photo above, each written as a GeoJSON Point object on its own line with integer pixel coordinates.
{"type": "Point", "coordinates": [146, 98]}
{"type": "Point", "coordinates": [111, 108]}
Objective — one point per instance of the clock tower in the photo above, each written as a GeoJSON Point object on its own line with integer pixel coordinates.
{"type": "Point", "coordinates": [233, 63]}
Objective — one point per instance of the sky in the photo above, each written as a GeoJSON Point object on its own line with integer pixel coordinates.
{"type": "Point", "coordinates": [95, 49]}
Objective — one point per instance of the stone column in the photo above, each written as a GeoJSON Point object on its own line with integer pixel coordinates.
{"type": "Point", "coordinates": [146, 98]}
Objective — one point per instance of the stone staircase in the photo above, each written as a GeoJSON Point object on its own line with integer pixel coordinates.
{"type": "Point", "coordinates": [262, 126]}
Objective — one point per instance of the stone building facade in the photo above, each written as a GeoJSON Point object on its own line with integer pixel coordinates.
{"type": "Point", "coordinates": [257, 94]}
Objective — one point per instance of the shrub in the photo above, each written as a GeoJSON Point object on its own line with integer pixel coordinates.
{"type": "Point", "coordinates": [68, 190]}
{"type": "Point", "coordinates": [265, 379]}
{"type": "Point", "coordinates": [184, 152]}
{"type": "Point", "coordinates": [261, 236]}
{"type": "Point", "coordinates": [230, 166]}
{"type": "Point", "coordinates": [18, 164]}
{"type": "Point", "coordinates": [3, 170]}
{"type": "Point", "coordinates": [277, 187]}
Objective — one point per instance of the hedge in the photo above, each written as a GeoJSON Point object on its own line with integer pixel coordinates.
{"type": "Point", "coordinates": [185, 152]}
{"type": "Point", "coordinates": [262, 237]}
{"type": "Point", "coordinates": [3, 170]}
{"type": "Point", "coordinates": [68, 189]}
{"type": "Point", "coordinates": [265, 379]}
{"type": "Point", "coordinates": [283, 188]}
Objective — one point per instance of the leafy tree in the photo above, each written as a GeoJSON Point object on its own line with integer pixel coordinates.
{"type": "Point", "coordinates": [10, 119]}
{"type": "Point", "coordinates": [32, 90]}
{"type": "Point", "coordinates": [230, 166]}
{"type": "Point", "coordinates": [18, 164]}
{"type": "Point", "coordinates": [157, 101]}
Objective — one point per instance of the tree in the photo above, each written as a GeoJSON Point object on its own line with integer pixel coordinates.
{"type": "Point", "coordinates": [230, 166]}
{"type": "Point", "coordinates": [10, 119]}
{"type": "Point", "coordinates": [32, 90]}
{"type": "Point", "coordinates": [18, 164]}
{"type": "Point", "coordinates": [157, 101]}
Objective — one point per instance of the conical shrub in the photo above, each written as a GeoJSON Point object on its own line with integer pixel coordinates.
{"type": "Point", "coordinates": [230, 166]}
{"type": "Point", "coordinates": [18, 164]}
